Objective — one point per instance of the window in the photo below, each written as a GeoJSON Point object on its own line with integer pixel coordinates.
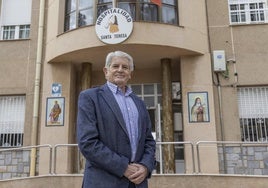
{"type": "Point", "coordinates": [15, 19]}
{"type": "Point", "coordinates": [248, 11]}
{"type": "Point", "coordinates": [169, 12]}
{"type": "Point", "coordinates": [12, 115]}
{"type": "Point", "coordinates": [24, 32]}
{"type": "Point", "coordinates": [8, 32]}
{"type": "Point", "coordinates": [253, 113]}
{"type": "Point", "coordinates": [78, 13]}
{"type": "Point", "coordinates": [150, 93]}
{"type": "Point", "coordinates": [144, 10]}
{"type": "Point", "coordinates": [16, 32]}
{"type": "Point", "coordinates": [103, 5]}
{"type": "Point", "coordinates": [148, 12]}
{"type": "Point", "coordinates": [82, 12]}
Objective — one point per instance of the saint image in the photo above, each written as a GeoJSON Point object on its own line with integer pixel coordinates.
{"type": "Point", "coordinates": [198, 111]}
{"type": "Point", "coordinates": [55, 112]}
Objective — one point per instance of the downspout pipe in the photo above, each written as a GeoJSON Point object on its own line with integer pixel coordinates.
{"type": "Point", "coordinates": [38, 70]}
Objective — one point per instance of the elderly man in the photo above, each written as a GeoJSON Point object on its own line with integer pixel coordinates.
{"type": "Point", "coordinates": [114, 130]}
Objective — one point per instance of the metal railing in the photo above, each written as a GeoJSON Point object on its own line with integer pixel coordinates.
{"type": "Point", "coordinates": [160, 144]}
{"type": "Point", "coordinates": [242, 150]}
{"type": "Point", "coordinates": [56, 151]}
{"type": "Point", "coordinates": [195, 158]}
{"type": "Point", "coordinates": [32, 147]}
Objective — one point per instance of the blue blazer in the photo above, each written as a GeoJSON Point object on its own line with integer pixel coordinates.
{"type": "Point", "coordinates": [103, 139]}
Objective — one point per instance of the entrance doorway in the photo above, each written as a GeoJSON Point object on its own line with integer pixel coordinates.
{"type": "Point", "coordinates": [155, 115]}
{"type": "Point", "coordinates": [151, 94]}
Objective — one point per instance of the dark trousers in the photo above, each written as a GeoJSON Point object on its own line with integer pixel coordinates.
{"type": "Point", "coordinates": [131, 185]}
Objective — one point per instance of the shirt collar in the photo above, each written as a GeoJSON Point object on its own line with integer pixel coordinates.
{"type": "Point", "coordinates": [116, 90]}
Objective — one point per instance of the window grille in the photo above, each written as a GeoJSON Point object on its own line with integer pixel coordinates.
{"type": "Point", "coordinates": [12, 116]}
{"type": "Point", "coordinates": [253, 113]}
{"type": "Point", "coordinates": [248, 11]}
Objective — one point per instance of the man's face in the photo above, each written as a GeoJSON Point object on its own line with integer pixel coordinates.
{"type": "Point", "coordinates": [119, 71]}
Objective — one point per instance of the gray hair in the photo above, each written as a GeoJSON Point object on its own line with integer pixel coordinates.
{"type": "Point", "coordinates": [119, 54]}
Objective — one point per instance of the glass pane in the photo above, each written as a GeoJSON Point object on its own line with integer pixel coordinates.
{"type": "Point", "coordinates": [169, 15]}
{"type": "Point", "coordinates": [261, 15]}
{"type": "Point", "coordinates": [104, 1]}
{"type": "Point", "coordinates": [136, 89]}
{"type": "Point", "coordinates": [159, 89]}
{"type": "Point", "coordinates": [24, 31]}
{"type": "Point", "coordinates": [243, 17]}
{"type": "Point", "coordinates": [12, 32]}
{"type": "Point", "coordinates": [254, 16]}
{"type": "Point", "coordinates": [149, 89]}
{"type": "Point", "coordinates": [253, 5]}
{"type": "Point", "coordinates": [149, 12]}
{"type": "Point", "coordinates": [159, 100]}
{"type": "Point", "coordinates": [9, 32]}
{"type": "Point", "coordinates": [170, 2]}
{"type": "Point", "coordinates": [85, 17]}
{"type": "Point", "coordinates": [102, 8]}
{"type": "Point", "coordinates": [149, 101]}
{"type": "Point", "coordinates": [179, 152]}
{"type": "Point", "coordinates": [234, 17]}
{"type": "Point", "coordinates": [233, 7]}
{"type": "Point", "coordinates": [70, 22]}
{"type": "Point", "coordinates": [22, 34]}
{"type": "Point", "coordinates": [5, 35]}
{"type": "Point", "coordinates": [130, 8]}
{"type": "Point", "coordinates": [70, 6]}
{"type": "Point", "coordinates": [85, 4]}
{"type": "Point", "coordinates": [179, 148]}
{"type": "Point", "coordinates": [133, 1]}
{"type": "Point", "coordinates": [152, 118]}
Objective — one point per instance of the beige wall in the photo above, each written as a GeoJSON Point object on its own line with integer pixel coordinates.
{"type": "Point", "coordinates": [65, 75]}
{"type": "Point", "coordinates": [251, 44]}
{"type": "Point", "coordinates": [248, 45]}
{"type": "Point", "coordinates": [196, 77]}
{"type": "Point", "coordinates": [17, 70]}
{"type": "Point", "coordinates": [186, 45]}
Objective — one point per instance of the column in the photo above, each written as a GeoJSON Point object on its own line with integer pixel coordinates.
{"type": "Point", "coordinates": [168, 128]}
{"type": "Point", "coordinates": [85, 83]}
{"type": "Point", "coordinates": [86, 75]}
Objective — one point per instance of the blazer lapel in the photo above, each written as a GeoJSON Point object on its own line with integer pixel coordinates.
{"type": "Point", "coordinates": [111, 101]}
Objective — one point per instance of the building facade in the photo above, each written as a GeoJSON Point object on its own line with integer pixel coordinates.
{"type": "Point", "coordinates": [200, 67]}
